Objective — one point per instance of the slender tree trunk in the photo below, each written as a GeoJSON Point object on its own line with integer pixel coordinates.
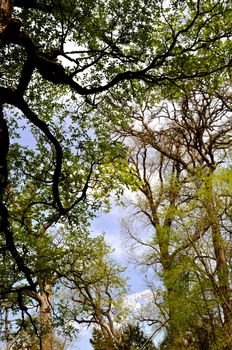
{"type": "Point", "coordinates": [4, 147]}
{"type": "Point", "coordinates": [223, 284]}
{"type": "Point", "coordinates": [224, 289]}
{"type": "Point", "coordinates": [46, 331]}
{"type": "Point", "coordinates": [6, 329]}
{"type": "Point", "coordinates": [175, 332]}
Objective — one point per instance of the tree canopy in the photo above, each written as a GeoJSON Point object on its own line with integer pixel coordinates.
{"type": "Point", "coordinates": [77, 80]}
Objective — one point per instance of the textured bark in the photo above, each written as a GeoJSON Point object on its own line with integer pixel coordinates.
{"type": "Point", "coordinates": [46, 333]}
{"type": "Point", "coordinates": [6, 330]}
{"type": "Point", "coordinates": [6, 8]}
{"type": "Point", "coordinates": [224, 289]}
{"type": "Point", "coordinates": [4, 146]}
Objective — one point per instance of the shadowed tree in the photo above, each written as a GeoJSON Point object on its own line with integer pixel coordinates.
{"type": "Point", "coordinates": [131, 338]}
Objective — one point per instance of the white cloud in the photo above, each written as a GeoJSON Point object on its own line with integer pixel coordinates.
{"type": "Point", "coordinates": [139, 297]}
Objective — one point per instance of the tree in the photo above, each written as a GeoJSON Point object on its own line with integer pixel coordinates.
{"type": "Point", "coordinates": [95, 289]}
{"type": "Point", "coordinates": [131, 338]}
{"type": "Point", "coordinates": [177, 151]}
{"type": "Point", "coordinates": [81, 285]}
{"type": "Point", "coordinates": [46, 248]}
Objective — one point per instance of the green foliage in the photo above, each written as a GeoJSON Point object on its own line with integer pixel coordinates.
{"type": "Point", "coordinates": [92, 289]}
{"type": "Point", "coordinates": [77, 76]}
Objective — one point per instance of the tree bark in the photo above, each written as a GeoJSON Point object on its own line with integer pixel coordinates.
{"type": "Point", "coordinates": [224, 289]}
{"type": "Point", "coordinates": [4, 146]}
{"type": "Point", "coordinates": [6, 329]}
{"type": "Point", "coordinates": [6, 8]}
{"type": "Point", "coordinates": [46, 332]}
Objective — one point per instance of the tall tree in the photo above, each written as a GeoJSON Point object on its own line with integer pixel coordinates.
{"type": "Point", "coordinates": [177, 150]}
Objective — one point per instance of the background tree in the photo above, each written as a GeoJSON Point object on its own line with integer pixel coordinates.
{"type": "Point", "coordinates": [177, 151]}
{"type": "Point", "coordinates": [81, 286]}
{"type": "Point", "coordinates": [131, 338]}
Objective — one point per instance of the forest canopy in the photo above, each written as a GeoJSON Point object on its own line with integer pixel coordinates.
{"type": "Point", "coordinates": [96, 97]}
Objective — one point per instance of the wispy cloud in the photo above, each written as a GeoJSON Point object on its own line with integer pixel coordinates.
{"type": "Point", "coordinates": [137, 300]}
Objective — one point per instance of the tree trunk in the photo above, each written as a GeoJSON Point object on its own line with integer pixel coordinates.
{"type": "Point", "coordinates": [6, 8]}
{"type": "Point", "coordinates": [6, 330]}
{"type": "Point", "coordinates": [171, 285]}
{"type": "Point", "coordinates": [46, 331]}
{"type": "Point", "coordinates": [223, 283]}
{"type": "Point", "coordinates": [4, 146]}
{"type": "Point", "coordinates": [176, 335]}
{"type": "Point", "coordinates": [224, 289]}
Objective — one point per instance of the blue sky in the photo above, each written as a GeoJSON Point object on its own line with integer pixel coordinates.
{"type": "Point", "coordinates": [109, 224]}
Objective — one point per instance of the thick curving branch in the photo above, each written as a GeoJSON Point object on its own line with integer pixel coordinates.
{"type": "Point", "coordinates": [34, 4]}
{"type": "Point", "coordinates": [26, 76]}
{"type": "Point", "coordinates": [12, 97]}
{"type": "Point", "coordinates": [54, 72]}
{"type": "Point", "coordinates": [4, 217]}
